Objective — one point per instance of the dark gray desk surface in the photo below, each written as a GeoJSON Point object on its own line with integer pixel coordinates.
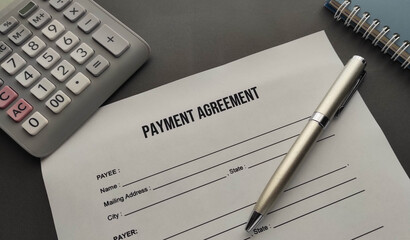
{"type": "Point", "coordinates": [188, 37]}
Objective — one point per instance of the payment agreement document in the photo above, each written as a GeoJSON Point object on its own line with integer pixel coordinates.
{"type": "Point", "coordinates": [188, 160]}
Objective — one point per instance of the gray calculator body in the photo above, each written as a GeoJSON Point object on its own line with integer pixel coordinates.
{"type": "Point", "coordinates": [59, 109]}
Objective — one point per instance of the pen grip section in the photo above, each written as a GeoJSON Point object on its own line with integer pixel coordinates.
{"type": "Point", "coordinates": [287, 167]}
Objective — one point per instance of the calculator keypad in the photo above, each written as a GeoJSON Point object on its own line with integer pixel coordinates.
{"type": "Point", "coordinates": [48, 58]}
{"type": "Point", "coordinates": [19, 110]}
{"type": "Point", "coordinates": [89, 23]}
{"type": "Point", "coordinates": [111, 40]}
{"type": "Point", "coordinates": [9, 24]}
{"type": "Point", "coordinates": [39, 19]}
{"type": "Point", "coordinates": [20, 35]}
{"type": "Point", "coordinates": [59, 5]}
{"type": "Point", "coordinates": [28, 76]}
{"type": "Point", "coordinates": [33, 47]}
{"type": "Point", "coordinates": [82, 53]}
{"type": "Point", "coordinates": [63, 70]}
{"type": "Point", "coordinates": [51, 53]}
{"type": "Point", "coordinates": [35, 123]}
{"type": "Point", "coordinates": [58, 102]}
{"type": "Point", "coordinates": [13, 64]}
{"type": "Point", "coordinates": [67, 41]}
{"type": "Point", "coordinates": [5, 50]}
{"type": "Point", "coordinates": [74, 12]}
{"type": "Point", "coordinates": [78, 83]}
{"type": "Point", "coordinates": [53, 30]}
{"type": "Point", "coordinates": [7, 96]}
{"type": "Point", "coordinates": [98, 65]}
{"type": "Point", "coordinates": [42, 89]}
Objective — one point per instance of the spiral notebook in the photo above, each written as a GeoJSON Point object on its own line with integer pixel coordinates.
{"type": "Point", "coordinates": [384, 23]}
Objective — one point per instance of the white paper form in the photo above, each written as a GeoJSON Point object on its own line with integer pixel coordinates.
{"type": "Point", "coordinates": [188, 160]}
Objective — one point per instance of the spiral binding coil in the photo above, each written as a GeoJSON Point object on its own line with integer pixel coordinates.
{"type": "Point", "coordinates": [359, 25]}
{"type": "Point", "coordinates": [369, 30]}
{"type": "Point", "coordinates": [383, 32]}
{"type": "Point", "coordinates": [390, 43]}
{"type": "Point", "coordinates": [399, 51]}
{"type": "Point", "coordinates": [406, 63]}
{"type": "Point", "coordinates": [338, 13]}
{"type": "Point", "coordinates": [349, 18]}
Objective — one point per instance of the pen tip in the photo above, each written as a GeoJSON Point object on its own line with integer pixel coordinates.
{"type": "Point", "coordinates": [253, 221]}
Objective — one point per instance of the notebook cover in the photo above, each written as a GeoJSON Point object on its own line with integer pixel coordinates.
{"type": "Point", "coordinates": [394, 14]}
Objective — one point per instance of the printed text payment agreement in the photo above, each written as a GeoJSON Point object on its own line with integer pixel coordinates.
{"type": "Point", "coordinates": [188, 160]}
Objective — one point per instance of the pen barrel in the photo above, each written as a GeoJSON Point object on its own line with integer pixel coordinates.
{"type": "Point", "coordinates": [336, 98]}
{"type": "Point", "coordinates": [288, 166]}
{"type": "Point", "coordinates": [342, 88]}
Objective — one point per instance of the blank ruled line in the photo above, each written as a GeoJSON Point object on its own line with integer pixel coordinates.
{"type": "Point", "coordinates": [228, 161]}
{"type": "Point", "coordinates": [318, 209]}
{"type": "Point", "coordinates": [249, 205]}
{"type": "Point", "coordinates": [318, 193]}
{"type": "Point", "coordinates": [326, 174]}
{"type": "Point", "coordinates": [179, 194]}
{"type": "Point", "coordinates": [367, 233]}
{"type": "Point", "coordinates": [270, 159]}
{"type": "Point", "coordinates": [214, 219]}
{"type": "Point", "coordinates": [214, 152]}
{"type": "Point", "coordinates": [227, 230]}
{"type": "Point", "coordinates": [326, 138]}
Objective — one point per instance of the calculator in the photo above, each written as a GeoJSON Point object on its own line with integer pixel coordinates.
{"type": "Point", "coordinates": [59, 61]}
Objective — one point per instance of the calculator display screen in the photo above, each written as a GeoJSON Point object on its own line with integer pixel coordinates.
{"type": "Point", "coordinates": [4, 3]}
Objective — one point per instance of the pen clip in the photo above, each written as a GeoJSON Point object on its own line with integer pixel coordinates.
{"type": "Point", "coordinates": [348, 97]}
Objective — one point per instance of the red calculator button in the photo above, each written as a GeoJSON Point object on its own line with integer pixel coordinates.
{"type": "Point", "coordinates": [19, 110]}
{"type": "Point", "coordinates": [7, 96]}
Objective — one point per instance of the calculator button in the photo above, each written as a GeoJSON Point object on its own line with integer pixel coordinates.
{"type": "Point", "coordinates": [40, 18]}
{"type": "Point", "coordinates": [28, 9]}
{"type": "Point", "coordinates": [48, 58]}
{"type": "Point", "coordinates": [98, 65]}
{"type": "Point", "coordinates": [53, 30]}
{"type": "Point", "coordinates": [19, 35]}
{"type": "Point", "coordinates": [4, 50]}
{"type": "Point", "coordinates": [111, 40]}
{"type": "Point", "coordinates": [7, 96]}
{"type": "Point", "coordinates": [74, 12]}
{"type": "Point", "coordinates": [9, 24]}
{"type": "Point", "coordinates": [58, 102]}
{"type": "Point", "coordinates": [67, 41]}
{"type": "Point", "coordinates": [89, 23]}
{"type": "Point", "coordinates": [13, 64]}
{"type": "Point", "coordinates": [63, 71]}
{"type": "Point", "coordinates": [34, 46]}
{"type": "Point", "coordinates": [82, 53]}
{"type": "Point", "coordinates": [59, 4]}
{"type": "Point", "coordinates": [19, 110]}
{"type": "Point", "coordinates": [28, 76]}
{"type": "Point", "coordinates": [42, 89]}
{"type": "Point", "coordinates": [78, 83]}
{"type": "Point", "coordinates": [35, 123]}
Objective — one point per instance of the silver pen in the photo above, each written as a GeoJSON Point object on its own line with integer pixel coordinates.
{"type": "Point", "coordinates": [332, 104]}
